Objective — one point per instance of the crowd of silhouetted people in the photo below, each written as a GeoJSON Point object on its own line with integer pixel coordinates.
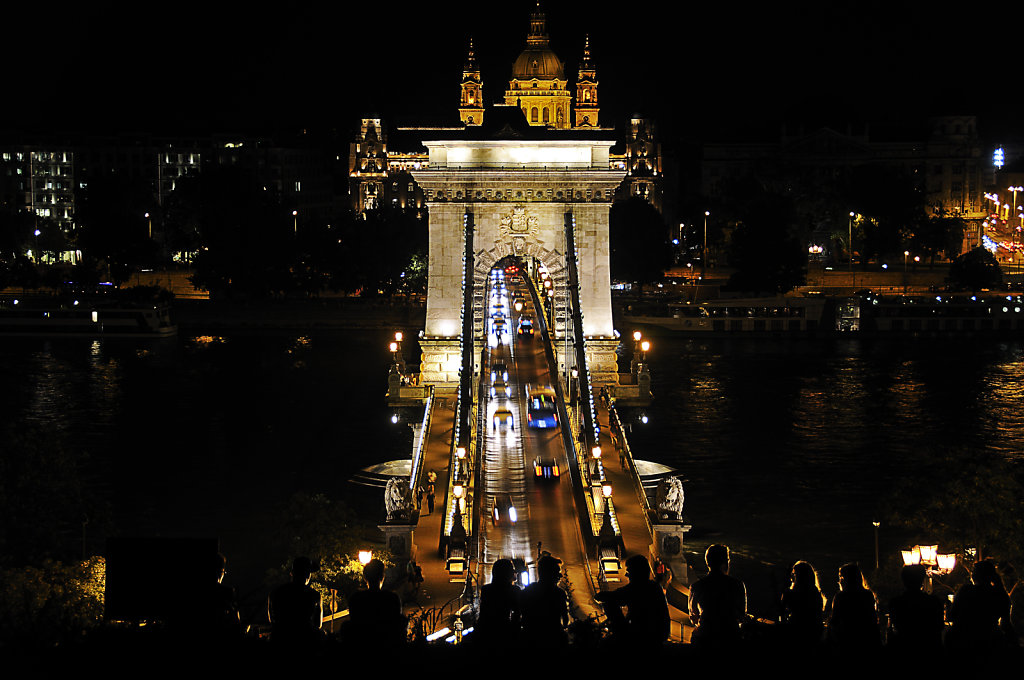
{"type": "Point", "coordinates": [980, 618]}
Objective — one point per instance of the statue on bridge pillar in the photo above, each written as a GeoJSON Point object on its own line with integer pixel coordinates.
{"type": "Point", "coordinates": [398, 500]}
{"type": "Point", "coordinates": [669, 499]}
{"type": "Point", "coordinates": [669, 529]}
{"type": "Point", "coordinates": [400, 524]}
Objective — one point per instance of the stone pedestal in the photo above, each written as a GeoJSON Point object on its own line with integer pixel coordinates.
{"type": "Point", "coordinates": [394, 382]}
{"type": "Point", "coordinates": [668, 547]}
{"type": "Point", "coordinates": [643, 383]}
{"type": "Point", "coordinates": [600, 359]}
{"type": "Point", "coordinates": [604, 368]}
{"type": "Point", "coordinates": [440, 362]}
{"type": "Point", "coordinates": [398, 539]}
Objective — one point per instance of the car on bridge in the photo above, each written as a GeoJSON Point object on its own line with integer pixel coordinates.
{"type": "Point", "coordinates": [526, 328]}
{"type": "Point", "coordinates": [545, 467]}
{"type": "Point", "coordinates": [499, 368]}
{"type": "Point", "coordinates": [500, 388]}
{"type": "Point", "coordinates": [502, 421]}
{"type": "Point", "coordinates": [541, 409]}
{"type": "Point", "coordinates": [504, 510]}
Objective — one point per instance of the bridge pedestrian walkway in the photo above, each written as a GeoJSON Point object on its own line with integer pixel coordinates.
{"type": "Point", "coordinates": [633, 523]}
{"type": "Point", "coordinates": [436, 589]}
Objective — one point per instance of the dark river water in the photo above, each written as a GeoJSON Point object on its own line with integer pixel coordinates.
{"type": "Point", "coordinates": [790, 448]}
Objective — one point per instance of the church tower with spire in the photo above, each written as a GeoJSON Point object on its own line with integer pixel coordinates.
{"type": "Point", "coordinates": [471, 106]}
{"type": "Point", "coordinates": [586, 109]}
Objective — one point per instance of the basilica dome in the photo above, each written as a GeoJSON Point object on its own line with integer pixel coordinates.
{"type": "Point", "coordinates": [538, 62]}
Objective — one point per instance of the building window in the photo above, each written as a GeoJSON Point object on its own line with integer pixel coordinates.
{"type": "Point", "coordinates": [533, 115]}
{"type": "Point", "coordinates": [547, 115]}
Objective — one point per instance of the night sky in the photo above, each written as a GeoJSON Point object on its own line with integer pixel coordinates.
{"type": "Point", "coordinates": [204, 66]}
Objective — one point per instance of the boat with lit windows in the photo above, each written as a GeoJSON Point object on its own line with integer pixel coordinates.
{"type": "Point", "coordinates": [942, 314]}
{"type": "Point", "coordinates": [49, 316]}
{"type": "Point", "coordinates": [781, 315]}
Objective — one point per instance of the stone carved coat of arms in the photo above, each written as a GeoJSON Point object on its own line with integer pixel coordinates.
{"type": "Point", "coordinates": [517, 227]}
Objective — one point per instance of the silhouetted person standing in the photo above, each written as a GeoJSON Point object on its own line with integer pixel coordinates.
{"type": "Point", "coordinates": [803, 606]}
{"type": "Point", "coordinates": [500, 613]}
{"type": "Point", "coordinates": [853, 623]}
{"type": "Point", "coordinates": [978, 609]}
{"type": "Point", "coordinates": [430, 497]}
{"type": "Point", "coordinates": [545, 606]}
{"type": "Point", "coordinates": [916, 617]}
{"type": "Point", "coordinates": [376, 614]}
{"type": "Point", "coordinates": [718, 602]}
{"type": "Point", "coordinates": [207, 610]}
{"type": "Point", "coordinates": [295, 609]}
{"type": "Point", "coordinates": [647, 622]}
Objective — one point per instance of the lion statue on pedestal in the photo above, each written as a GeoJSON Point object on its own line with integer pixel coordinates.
{"type": "Point", "coordinates": [398, 499]}
{"type": "Point", "coordinates": [670, 499]}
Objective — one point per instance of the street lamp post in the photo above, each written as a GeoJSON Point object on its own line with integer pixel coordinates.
{"type": "Point", "coordinates": [295, 216]}
{"type": "Point", "coordinates": [849, 246]}
{"type": "Point", "coordinates": [1014, 190]}
{"type": "Point", "coordinates": [634, 364]}
{"type": "Point", "coordinates": [704, 254]}
{"type": "Point", "coordinates": [875, 523]}
{"type": "Point", "coordinates": [906, 254]}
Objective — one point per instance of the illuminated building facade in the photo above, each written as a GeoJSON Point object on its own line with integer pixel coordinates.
{"type": "Point", "coordinates": [643, 163]}
{"type": "Point", "coordinates": [471, 105]}
{"type": "Point", "coordinates": [538, 86]}
{"type": "Point", "coordinates": [41, 182]}
{"type": "Point", "coordinates": [44, 178]}
{"type": "Point", "coordinates": [945, 159]}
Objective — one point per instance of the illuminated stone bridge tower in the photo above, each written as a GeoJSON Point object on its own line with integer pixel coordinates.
{"type": "Point", "coordinates": [518, 183]}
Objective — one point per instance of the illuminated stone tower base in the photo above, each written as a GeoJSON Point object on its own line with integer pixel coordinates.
{"type": "Point", "coordinates": [440, 361]}
{"type": "Point", "coordinates": [519, 191]}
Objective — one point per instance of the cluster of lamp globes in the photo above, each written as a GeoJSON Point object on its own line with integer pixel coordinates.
{"type": "Point", "coordinates": [458, 488]}
{"type": "Point", "coordinates": [644, 345]}
{"type": "Point", "coordinates": [929, 556]}
{"type": "Point", "coordinates": [606, 486]}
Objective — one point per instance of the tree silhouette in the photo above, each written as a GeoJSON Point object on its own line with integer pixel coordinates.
{"type": "Point", "coordinates": [247, 239]}
{"type": "Point", "coordinates": [974, 501]}
{"type": "Point", "coordinates": [638, 239]}
{"type": "Point", "coordinates": [975, 270]}
{"type": "Point", "coordinates": [767, 248]}
{"type": "Point", "coordinates": [111, 214]}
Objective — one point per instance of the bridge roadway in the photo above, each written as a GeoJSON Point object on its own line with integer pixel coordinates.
{"type": "Point", "coordinates": [545, 507]}
{"type": "Point", "coordinates": [546, 510]}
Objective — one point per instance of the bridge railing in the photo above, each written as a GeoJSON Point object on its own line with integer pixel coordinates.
{"type": "Point", "coordinates": [592, 508]}
{"type": "Point", "coordinates": [591, 436]}
{"type": "Point", "coordinates": [622, 444]}
{"type": "Point", "coordinates": [462, 452]}
{"type": "Point", "coordinates": [416, 471]}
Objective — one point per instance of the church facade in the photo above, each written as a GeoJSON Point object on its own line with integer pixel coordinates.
{"type": "Point", "coordinates": [382, 176]}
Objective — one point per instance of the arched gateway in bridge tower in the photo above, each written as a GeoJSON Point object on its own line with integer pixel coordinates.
{"type": "Point", "coordinates": [516, 185]}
